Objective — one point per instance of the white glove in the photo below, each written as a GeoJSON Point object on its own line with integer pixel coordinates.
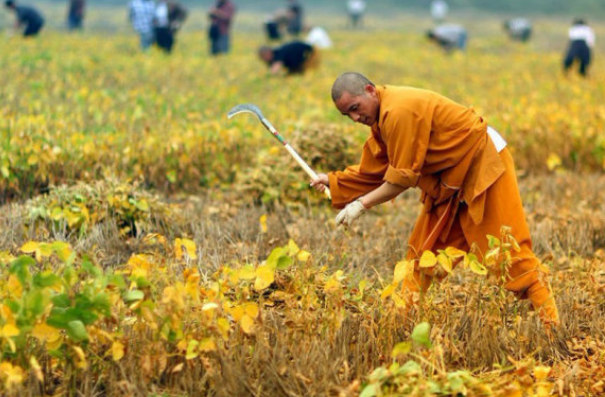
{"type": "Point", "coordinates": [349, 213]}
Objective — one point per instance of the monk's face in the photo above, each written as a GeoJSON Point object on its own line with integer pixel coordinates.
{"type": "Point", "coordinates": [362, 108]}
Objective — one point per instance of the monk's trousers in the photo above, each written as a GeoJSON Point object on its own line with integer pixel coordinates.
{"type": "Point", "coordinates": [526, 276]}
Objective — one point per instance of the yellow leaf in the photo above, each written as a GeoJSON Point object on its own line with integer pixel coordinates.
{"type": "Point", "coordinates": [12, 375]}
{"type": "Point", "coordinates": [263, 223]}
{"type": "Point", "coordinates": [251, 309]}
{"type": "Point", "coordinates": [207, 345]}
{"type": "Point", "coordinates": [477, 268]}
{"type": "Point", "coordinates": [29, 248]}
{"type": "Point", "coordinates": [402, 270]}
{"type": "Point", "coordinates": [209, 306]}
{"type": "Point", "coordinates": [247, 272]}
{"type": "Point", "coordinates": [454, 252]}
{"type": "Point", "coordinates": [81, 357]}
{"type": "Point", "coordinates": [303, 256]}
{"type": "Point", "coordinates": [192, 349]}
{"type": "Point", "coordinates": [237, 312]}
{"type": "Point", "coordinates": [445, 262]}
{"type": "Point", "coordinates": [247, 324]}
{"type": "Point", "coordinates": [292, 248]}
{"type": "Point", "coordinates": [117, 350]}
{"type": "Point", "coordinates": [9, 330]}
{"type": "Point", "coordinates": [188, 245]}
{"type": "Point", "coordinates": [541, 372]}
{"type": "Point", "coordinates": [178, 368]}
{"type": "Point", "coordinates": [428, 259]}
{"type": "Point", "coordinates": [398, 300]}
{"type": "Point", "coordinates": [264, 277]}
{"type": "Point", "coordinates": [36, 368]}
{"type": "Point", "coordinates": [553, 161]}
{"type": "Point", "coordinates": [388, 291]}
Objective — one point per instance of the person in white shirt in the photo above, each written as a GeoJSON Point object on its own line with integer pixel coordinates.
{"type": "Point", "coordinates": [141, 14]}
{"type": "Point", "coordinates": [439, 9]}
{"type": "Point", "coordinates": [581, 42]}
{"type": "Point", "coordinates": [518, 29]}
{"type": "Point", "coordinates": [318, 38]}
{"type": "Point", "coordinates": [356, 9]}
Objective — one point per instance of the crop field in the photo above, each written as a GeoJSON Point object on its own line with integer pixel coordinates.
{"type": "Point", "coordinates": [151, 246]}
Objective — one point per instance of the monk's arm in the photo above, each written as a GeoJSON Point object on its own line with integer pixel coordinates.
{"type": "Point", "coordinates": [383, 193]}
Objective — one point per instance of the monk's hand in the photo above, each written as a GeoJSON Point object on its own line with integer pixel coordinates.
{"type": "Point", "coordinates": [320, 183]}
{"type": "Point", "coordinates": [350, 213]}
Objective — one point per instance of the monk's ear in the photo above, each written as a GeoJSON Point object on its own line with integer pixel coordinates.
{"type": "Point", "coordinates": [370, 90]}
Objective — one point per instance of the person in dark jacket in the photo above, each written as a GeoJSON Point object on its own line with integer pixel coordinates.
{"type": "Point", "coordinates": [28, 18]}
{"type": "Point", "coordinates": [295, 57]}
{"type": "Point", "coordinates": [75, 14]}
{"type": "Point", "coordinates": [581, 42]}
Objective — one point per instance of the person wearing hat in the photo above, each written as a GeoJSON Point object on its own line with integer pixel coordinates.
{"type": "Point", "coordinates": [27, 18]}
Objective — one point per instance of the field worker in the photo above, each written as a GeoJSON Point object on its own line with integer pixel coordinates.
{"type": "Point", "coordinates": [295, 57]}
{"type": "Point", "coordinates": [581, 42]}
{"type": "Point", "coordinates": [221, 16]}
{"type": "Point", "coordinates": [163, 34]}
{"type": "Point", "coordinates": [295, 18]}
{"type": "Point", "coordinates": [461, 165]}
{"type": "Point", "coordinates": [356, 9]}
{"type": "Point", "coordinates": [75, 14]}
{"type": "Point", "coordinates": [177, 14]}
{"type": "Point", "coordinates": [449, 37]}
{"type": "Point", "coordinates": [318, 38]}
{"type": "Point", "coordinates": [439, 9]}
{"type": "Point", "coordinates": [518, 29]}
{"type": "Point", "coordinates": [28, 18]}
{"type": "Point", "coordinates": [141, 14]}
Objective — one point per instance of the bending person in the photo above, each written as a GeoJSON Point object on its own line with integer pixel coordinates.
{"type": "Point", "coordinates": [295, 57]}
{"type": "Point", "coordinates": [466, 174]}
{"type": "Point", "coordinates": [581, 42]}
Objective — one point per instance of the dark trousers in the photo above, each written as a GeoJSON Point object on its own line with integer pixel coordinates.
{"type": "Point", "coordinates": [578, 50]}
{"type": "Point", "coordinates": [32, 30]}
{"type": "Point", "coordinates": [164, 38]}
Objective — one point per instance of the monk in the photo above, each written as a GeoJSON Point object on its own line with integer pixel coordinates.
{"type": "Point", "coordinates": [461, 165]}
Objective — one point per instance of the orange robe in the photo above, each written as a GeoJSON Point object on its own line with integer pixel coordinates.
{"type": "Point", "coordinates": [469, 190]}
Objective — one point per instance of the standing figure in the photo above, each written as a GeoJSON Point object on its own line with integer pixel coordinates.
{"type": "Point", "coordinates": [356, 9]}
{"type": "Point", "coordinates": [75, 14]}
{"type": "Point", "coordinates": [439, 10]}
{"type": "Point", "coordinates": [295, 18]}
{"type": "Point", "coordinates": [177, 14]}
{"type": "Point", "coordinates": [518, 29]}
{"type": "Point", "coordinates": [449, 37]}
{"type": "Point", "coordinates": [28, 19]}
{"type": "Point", "coordinates": [220, 16]}
{"type": "Point", "coordinates": [141, 14]}
{"type": "Point", "coordinates": [466, 174]}
{"type": "Point", "coordinates": [581, 42]}
{"type": "Point", "coordinates": [163, 34]}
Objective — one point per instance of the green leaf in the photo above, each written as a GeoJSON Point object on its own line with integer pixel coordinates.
{"type": "Point", "coordinates": [35, 302]}
{"type": "Point", "coordinates": [61, 300]}
{"type": "Point", "coordinates": [90, 268]}
{"type": "Point", "coordinates": [401, 348]}
{"type": "Point", "coordinates": [422, 334]}
{"type": "Point", "coordinates": [20, 268]}
{"type": "Point", "coordinates": [284, 262]}
{"type": "Point", "coordinates": [117, 280]}
{"type": "Point", "coordinates": [274, 256]}
{"type": "Point", "coordinates": [371, 390]}
{"type": "Point", "coordinates": [134, 295]}
{"type": "Point", "coordinates": [77, 331]}
{"type": "Point", "coordinates": [46, 279]}
{"type": "Point", "coordinates": [493, 241]}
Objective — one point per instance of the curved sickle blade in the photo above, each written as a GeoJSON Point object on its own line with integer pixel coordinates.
{"type": "Point", "coordinates": [245, 108]}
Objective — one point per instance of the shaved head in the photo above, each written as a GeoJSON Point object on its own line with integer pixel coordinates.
{"type": "Point", "coordinates": [351, 82]}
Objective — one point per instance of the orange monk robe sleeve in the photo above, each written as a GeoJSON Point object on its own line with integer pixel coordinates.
{"type": "Point", "coordinates": [406, 132]}
{"type": "Point", "coordinates": [355, 181]}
